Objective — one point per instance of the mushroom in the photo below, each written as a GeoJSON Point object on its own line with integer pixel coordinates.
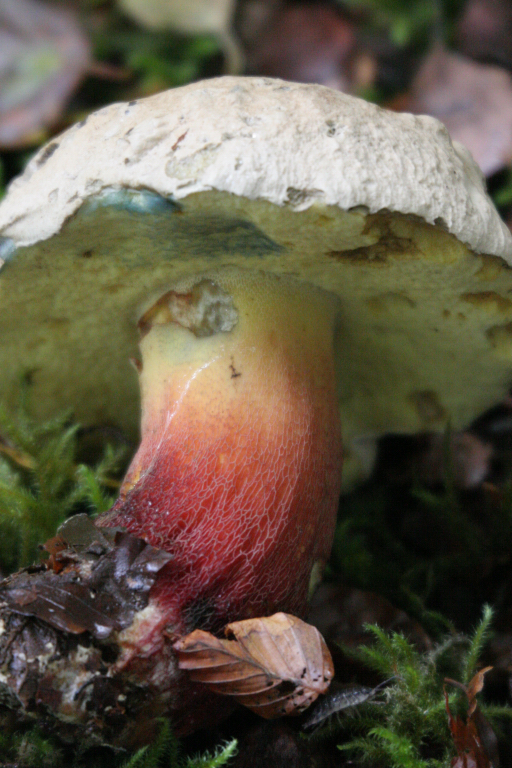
{"type": "Point", "coordinates": [296, 263]}
{"type": "Point", "coordinates": [195, 17]}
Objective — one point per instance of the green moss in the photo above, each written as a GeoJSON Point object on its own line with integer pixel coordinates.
{"type": "Point", "coordinates": [407, 726]}
{"type": "Point", "coordinates": [157, 59]}
{"type": "Point", "coordinates": [411, 22]}
{"type": "Point", "coordinates": [41, 483]}
{"type": "Point", "coordinates": [165, 753]}
{"type": "Point", "coordinates": [30, 750]}
{"type": "Point", "coordinates": [33, 750]}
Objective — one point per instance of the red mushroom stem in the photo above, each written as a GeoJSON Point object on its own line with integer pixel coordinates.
{"type": "Point", "coordinates": [239, 469]}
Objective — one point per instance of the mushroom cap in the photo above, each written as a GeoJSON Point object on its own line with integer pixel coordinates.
{"type": "Point", "coordinates": [381, 208]}
{"type": "Point", "coordinates": [195, 17]}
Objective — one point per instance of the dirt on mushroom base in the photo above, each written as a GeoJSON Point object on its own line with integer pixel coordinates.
{"type": "Point", "coordinates": [68, 634]}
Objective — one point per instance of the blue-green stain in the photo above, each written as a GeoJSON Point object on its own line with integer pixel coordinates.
{"type": "Point", "coordinates": [133, 200]}
{"type": "Point", "coordinates": [197, 235]}
{"type": "Point", "coordinates": [217, 235]}
{"type": "Point", "coordinates": [7, 249]}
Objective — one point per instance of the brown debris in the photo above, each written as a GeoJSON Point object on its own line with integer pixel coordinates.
{"type": "Point", "coordinates": [87, 653]}
{"type": "Point", "coordinates": [62, 640]}
{"type": "Point", "coordinates": [474, 738]}
{"type": "Point", "coordinates": [96, 585]}
{"type": "Point", "coordinates": [275, 666]}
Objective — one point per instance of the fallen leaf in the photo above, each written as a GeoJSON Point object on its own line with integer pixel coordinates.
{"type": "Point", "coordinates": [484, 31]}
{"type": "Point", "coordinates": [473, 100]}
{"type": "Point", "coordinates": [307, 43]}
{"type": "Point", "coordinates": [473, 738]}
{"type": "Point", "coordinates": [276, 665]}
{"type": "Point", "coordinates": [97, 580]}
{"type": "Point", "coordinates": [43, 56]}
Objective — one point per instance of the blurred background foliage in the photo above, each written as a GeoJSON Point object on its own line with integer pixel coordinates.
{"type": "Point", "coordinates": [448, 58]}
{"type": "Point", "coordinates": [427, 541]}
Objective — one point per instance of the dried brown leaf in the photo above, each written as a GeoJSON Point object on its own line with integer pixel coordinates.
{"type": "Point", "coordinates": [475, 685]}
{"type": "Point", "coordinates": [484, 31]}
{"type": "Point", "coordinates": [95, 584]}
{"type": "Point", "coordinates": [276, 665]}
{"type": "Point", "coordinates": [308, 43]}
{"type": "Point", "coordinates": [473, 738]}
{"type": "Point", "coordinates": [473, 100]}
{"type": "Point", "coordinates": [43, 56]}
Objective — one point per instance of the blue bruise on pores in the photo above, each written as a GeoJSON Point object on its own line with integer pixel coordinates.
{"type": "Point", "coordinates": [207, 235]}
{"type": "Point", "coordinates": [7, 250]}
{"type": "Point", "coordinates": [133, 200]}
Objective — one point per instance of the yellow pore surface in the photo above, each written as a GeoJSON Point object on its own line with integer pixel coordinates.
{"type": "Point", "coordinates": [425, 326]}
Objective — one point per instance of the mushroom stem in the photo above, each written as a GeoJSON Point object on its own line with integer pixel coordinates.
{"type": "Point", "coordinates": [239, 470]}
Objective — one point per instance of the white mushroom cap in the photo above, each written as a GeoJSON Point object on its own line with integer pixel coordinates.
{"type": "Point", "coordinates": [378, 207]}
{"type": "Point", "coordinates": [261, 139]}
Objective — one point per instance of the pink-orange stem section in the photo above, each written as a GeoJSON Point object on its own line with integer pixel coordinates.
{"type": "Point", "coordinates": [239, 469]}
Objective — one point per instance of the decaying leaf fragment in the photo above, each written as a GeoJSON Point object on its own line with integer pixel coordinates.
{"type": "Point", "coordinates": [43, 56]}
{"type": "Point", "coordinates": [97, 582]}
{"type": "Point", "coordinates": [473, 100]}
{"type": "Point", "coordinates": [474, 739]}
{"type": "Point", "coordinates": [69, 630]}
{"type": "Point", "coordinates": [276, 665]}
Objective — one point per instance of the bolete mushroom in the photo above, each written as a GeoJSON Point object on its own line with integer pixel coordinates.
{"type": "Point", "coordinates": [298, 263]}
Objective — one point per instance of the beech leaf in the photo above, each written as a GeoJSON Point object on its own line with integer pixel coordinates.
{"type": "Point", "coordinates": [276, 665]}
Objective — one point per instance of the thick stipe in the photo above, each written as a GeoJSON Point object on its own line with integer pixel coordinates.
{"type": "Point", "coordinates": [239, 469]}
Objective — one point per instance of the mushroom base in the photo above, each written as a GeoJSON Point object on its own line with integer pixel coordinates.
{"type": "Point", "coordinates": [239, 470]}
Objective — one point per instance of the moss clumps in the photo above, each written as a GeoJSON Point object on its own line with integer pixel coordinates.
{"type": "Point", "coordinates": [166, 753]}
{"type": "Point", "coordinates": [42, 481]}
{"type": "Point", "coordinates": [33, 750]}
{"type": "Point", "coordinates": [41, 484]}
{"type": "Point", "coordinates": [406, 724]}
